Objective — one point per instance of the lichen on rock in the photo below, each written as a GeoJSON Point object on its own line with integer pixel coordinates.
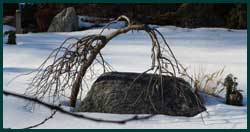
{"type": "Point", "coordinates": [122, 93]}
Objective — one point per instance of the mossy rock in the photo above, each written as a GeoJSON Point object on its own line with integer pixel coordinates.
{"type": "Point", "coordinates": [113, 92]}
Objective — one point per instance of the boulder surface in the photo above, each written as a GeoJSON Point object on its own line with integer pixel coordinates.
{"type": "Point", "coordinates": [65, 21]}
{"type": "Point", "coordinates": [117, 92]}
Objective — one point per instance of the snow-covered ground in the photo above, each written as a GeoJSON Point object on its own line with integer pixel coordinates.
{"type": "Point", "coordinates": [207, 48]}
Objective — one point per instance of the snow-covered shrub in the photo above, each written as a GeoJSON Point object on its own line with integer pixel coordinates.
{"type": "Point", "coordinates": [233, 95]}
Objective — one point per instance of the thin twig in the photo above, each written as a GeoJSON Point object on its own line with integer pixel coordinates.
{"type": "Point", "coordinates": [45, 120]}
{"type": "Point", "coordinates": [81, 116]}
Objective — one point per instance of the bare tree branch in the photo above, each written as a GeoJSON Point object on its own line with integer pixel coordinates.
{"type": "Point", "coordinates": [80, 116]}
{"type": "Point", "coordinates": [68, 66]}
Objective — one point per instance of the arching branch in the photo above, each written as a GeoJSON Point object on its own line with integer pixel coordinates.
{"type": "Point", "coordinates": [68, 66]}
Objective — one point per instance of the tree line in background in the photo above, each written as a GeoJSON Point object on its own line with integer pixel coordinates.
{"type": "Point", "coordinates": [37, 17]}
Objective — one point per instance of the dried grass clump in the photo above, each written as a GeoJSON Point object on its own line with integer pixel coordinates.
{"type": "Point", "coordinates": [209, 83]}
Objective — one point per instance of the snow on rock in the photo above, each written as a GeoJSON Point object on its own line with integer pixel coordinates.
{"type": "Point", "coordinates": [86, 25]}
{"type": "Point", "coordinates": [209, 48]}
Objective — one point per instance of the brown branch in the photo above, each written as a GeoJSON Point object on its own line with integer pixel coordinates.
{"type": "Point", "coordinates": [94, 52]}
{"type": "Point", "coordinates": [80, 116]}
{"type": "Point", "coordinates": [69, 64]}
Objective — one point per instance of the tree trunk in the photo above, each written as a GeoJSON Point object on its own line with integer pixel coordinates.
{"type": "Point", "coordinates": [92, 57]}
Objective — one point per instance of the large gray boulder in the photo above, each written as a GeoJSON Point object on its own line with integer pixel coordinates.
{"type": "Point", "coordinates": [112, 93]}
{"type": "Point", "coordinates": [65, 21]}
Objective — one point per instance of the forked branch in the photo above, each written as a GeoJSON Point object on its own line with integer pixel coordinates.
{"type": "Point", "coordinates": [70, 64]}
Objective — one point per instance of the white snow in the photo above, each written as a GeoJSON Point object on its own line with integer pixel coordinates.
{"type": "Point", "coordinates": [8, 28]}
{"type": "Point", "coordinates": [209, 48]}
{"type": "Point", "coordinates": [84, 24]}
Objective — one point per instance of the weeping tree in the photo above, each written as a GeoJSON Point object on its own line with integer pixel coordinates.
{"type": "Point", "coordinates": [70, 65]}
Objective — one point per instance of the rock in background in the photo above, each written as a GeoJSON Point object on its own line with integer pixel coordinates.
{"type": "Point", "coordinates": [111, 93]}
{"type": "Point", "coordinates": [65, 21]}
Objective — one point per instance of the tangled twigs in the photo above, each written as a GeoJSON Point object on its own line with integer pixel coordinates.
{"type": "Point", "coordinates": [70, 64]}
{"type": "Point", "coordinates": [80, 116]}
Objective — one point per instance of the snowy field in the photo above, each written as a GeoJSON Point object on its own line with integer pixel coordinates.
{"type": "Point", "coordinates": [208, 48]}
